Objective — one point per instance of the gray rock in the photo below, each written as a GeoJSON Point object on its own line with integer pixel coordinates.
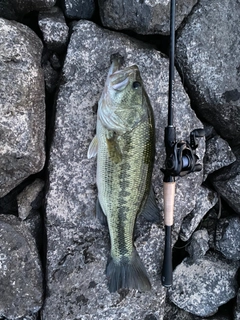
{"type": "Point", "coordinates": [226, 182]}
{"type": "Point", "coordinates": [51, 77]}
{"type": "Point", "coordinates": [172, 312]}
{"type": "Point", "coordinates": [237, 307]}
{"type": "Point", "coordinates": [21, 275]}
{"type": "Point", "coordinates": [78, 245]}
{"type": "Point", "coordinates": [25, 6]}
{"type": "Point", "coordinates": [198, 245]}
{"type": "Point", "coordinates": [200, 287]}
{"type": "Point", "coordinates": [206, 199]}
{"type": "Point", "coordinates": [218, 154]}
{"type": "Point", "coordinates": [7, 10]}
{"type": "Point", "coordinates": [54, 28]}
{"type": "Point", "coordinates": [55, 61]}
{"type": "Point", "coordinates": [30, 199]}
{"type": "Point", "coordinates": [30, 202]}
{"type": "Point", "coordinates": [207, 53]}
{"type": "Point", "coordinates": [144, 16]}
{"type": "Point", "coordinates": [228, 237]}
{"type": "Point", "coordinates": [78, 9]}
{"type": "Point", "coordinates": [22, 111]}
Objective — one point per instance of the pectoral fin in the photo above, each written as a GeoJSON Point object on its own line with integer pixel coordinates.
{"type": "Point", "coordinates": [93, 148]}
{"type": "Point", "coordinates": [150, 210]}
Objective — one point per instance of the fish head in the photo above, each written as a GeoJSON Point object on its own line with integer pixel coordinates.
{"type": "Point", "coordinates": [121, 106]}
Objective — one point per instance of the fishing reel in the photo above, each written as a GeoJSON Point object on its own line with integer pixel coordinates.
{"type": "Point", "coordinates": [181, 158]}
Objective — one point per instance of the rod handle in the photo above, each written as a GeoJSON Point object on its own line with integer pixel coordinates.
{"type": "Point", "coordinates": [168, 196]}
{"type": "Point", "coordinates": [167, 261]}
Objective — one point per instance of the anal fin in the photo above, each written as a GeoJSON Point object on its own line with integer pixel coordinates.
{"type": "Point", "coordinates": [150, 211]}
{"type": "Point", "coordinates": [100, 214]}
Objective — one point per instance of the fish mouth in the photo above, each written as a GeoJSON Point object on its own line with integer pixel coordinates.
{"type": "Point", "coordinates": [119, 79]}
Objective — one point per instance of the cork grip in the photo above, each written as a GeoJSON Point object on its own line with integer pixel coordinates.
{"type": "Point", "coordinates": [168, 196]}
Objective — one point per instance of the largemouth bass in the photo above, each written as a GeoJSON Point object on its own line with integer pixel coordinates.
{"type": "Point", "coordinates": [125, 146]}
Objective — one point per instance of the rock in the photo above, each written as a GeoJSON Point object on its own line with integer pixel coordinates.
{"type": "Point", "coordinates": [172, 312]}
{"type": "Point", "coordinates": [144, 16]}
{"type": "Point", "coordinates": [34, 223]}
{"type": "Point", "coordinates": [55, 61]}
{"type": "Point", "coordinates": [237, 307]}
{"type": "Point", "coordinates": [228, 237]}
{"type": "Point", "coordinates": [78, 9]}
{"type": "Point", "coordinates": [226, 182]}
{"type": "Point", "coordinates": [78, 245]}
{"type": "Point", "coordinates": [54, 28]}
{"type": "Point", "coordinates": [218, 155]}
{"type": "Point", "coordinates": [7, 10]}
{"type": "Point", "coordinates": [198, 245]}
{"type": "Point", "coordinates": [22, 112]}
{"type": "Point", "coordinates": [30, 202]}
{"type": "Point", "coordinates": [207, 53]}
{"type": "Point", "coordinates": [21, 275]}
{"type": "Point", "coordinates": [30, 199]}
{"type": "Point", "coordinates": [25, 6]}
{"type": "Point", "coordinates": [206, 199]}
{"type": "Point", "coordinates": [51, 77]}
{"type": "Point", "coordinates": [200, 287]}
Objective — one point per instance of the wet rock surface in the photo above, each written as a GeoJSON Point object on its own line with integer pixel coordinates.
{"type": "Point", "coordinates": [21, 280]}
{"type": "Point", "coordinates": [22, 112]}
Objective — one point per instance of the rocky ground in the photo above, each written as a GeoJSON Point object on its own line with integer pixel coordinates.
{"type": "Point", "coordinates": [54, 58]}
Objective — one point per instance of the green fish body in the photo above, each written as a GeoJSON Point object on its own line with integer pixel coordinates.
{"type": "Point", "coordinates": [124, 144]}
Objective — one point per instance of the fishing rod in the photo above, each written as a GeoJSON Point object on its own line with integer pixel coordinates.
{"type": "Point", "coordinates": [181, 159]}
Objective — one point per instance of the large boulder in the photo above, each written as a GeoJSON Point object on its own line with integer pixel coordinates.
{"type": "Point", "coordinates": [21, 280]}
{"type": "Point", "coordinates": [208, 54]}
{"type": "Point", "coordinates": [78, 245]}
{"type": "Point", "coordinates": [144, 17]}
{"type": "Point", "coordinates": [22, 105]}
{"type": "Point", "coordinates": [201, 286]}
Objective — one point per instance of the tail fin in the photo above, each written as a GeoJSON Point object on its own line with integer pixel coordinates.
{"type": "Point", "coordinates": [127, 273]}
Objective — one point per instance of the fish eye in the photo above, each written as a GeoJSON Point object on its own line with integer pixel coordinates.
{"type": "Point", "coordinates": [136, 85]}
